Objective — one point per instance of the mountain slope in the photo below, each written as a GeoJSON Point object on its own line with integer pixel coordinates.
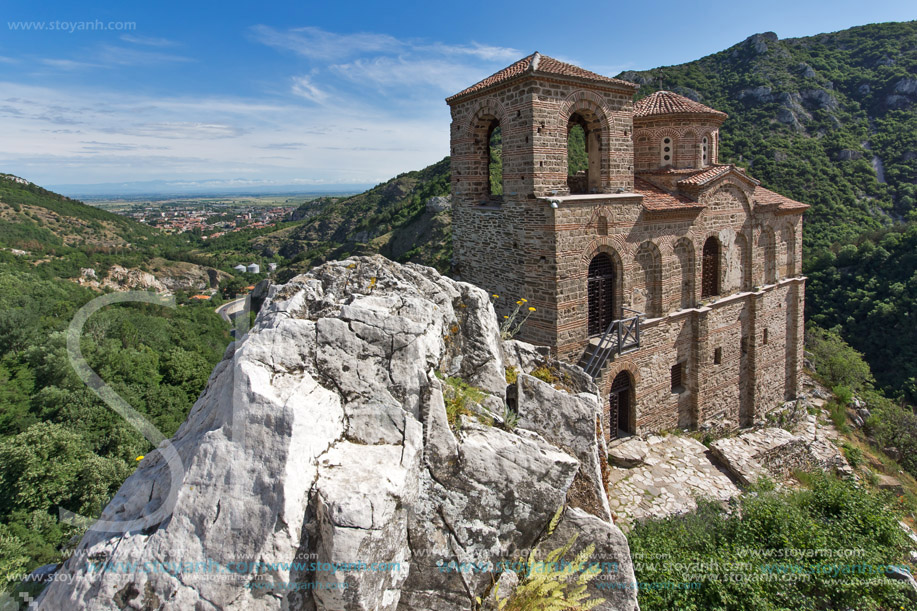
{"type": "Point", "coordinates": [35, 219]}
{"type": "Point", "coordinates": [390, 219]}
{"type": "Point", "coordinates": [829, 119]}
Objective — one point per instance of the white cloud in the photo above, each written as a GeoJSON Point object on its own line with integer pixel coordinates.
{"type": "Point", "coordinates": [127, 56]}
{"type": "Point", "coordinates": [338, 116]}
{"type": "Point", "coordinates": [149, 41]}
{"type": "Point", "coordinates": [305, 88]}
{"type": "Point", "coordinates": [132, 137]}
{"type": "Point", "coordinates": [399, 72]}
{"type": "Point", "coordinates": [485, 52]}
{"type": "Point", "coordinates": [67, 64]}
{"type": "Point", "coordinates": [319, 44]}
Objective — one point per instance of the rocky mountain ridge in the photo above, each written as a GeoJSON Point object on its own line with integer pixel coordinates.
{"type": "Point", "coordinates": [328, 434]}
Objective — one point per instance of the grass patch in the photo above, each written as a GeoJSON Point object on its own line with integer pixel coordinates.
{"type": "Point", "coordinates": [459, 395]}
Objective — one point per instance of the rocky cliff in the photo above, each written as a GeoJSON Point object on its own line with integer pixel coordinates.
{"type": "Point", "coordinates": [351, 452]}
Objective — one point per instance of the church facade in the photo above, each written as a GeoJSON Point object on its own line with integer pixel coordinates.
{"type": "Point", "coordinates": [674, 280]}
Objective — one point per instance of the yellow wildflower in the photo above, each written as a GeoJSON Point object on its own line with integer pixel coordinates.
{"type": "Point", "coordinates": [506, 316]}
{"type": "Point", "coordinates": [139, 458]}
{"type": "Point", "coordinates": [519, 302]}
{"type": "Point", "coordinates": [495, 296]}
{"type": "Point", "coordinates": [531, 309]}
{"type": "Point", "coordinates": [524, 300]}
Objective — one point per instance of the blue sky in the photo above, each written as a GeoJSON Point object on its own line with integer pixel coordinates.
{"type": "Point", "coordinates": [316, 93]}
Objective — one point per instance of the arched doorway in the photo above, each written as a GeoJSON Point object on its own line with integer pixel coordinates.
{"type": "Point", "coordinates": [601, 293]}
{"type": "Point", "coordinates": [710, 270]}
{"type": "Point", "coordinates": [620, 406]}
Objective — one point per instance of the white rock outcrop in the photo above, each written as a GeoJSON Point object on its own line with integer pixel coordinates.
{"type": "Point", "coordinates": [319, 470]}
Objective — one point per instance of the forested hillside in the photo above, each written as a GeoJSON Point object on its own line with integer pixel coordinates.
{"type": "Point", "coordinates": [830, 120]}
{"type": "Point", "coordinates": [61, 447]}
{"type": "Point", "coordinates": [390, 219]}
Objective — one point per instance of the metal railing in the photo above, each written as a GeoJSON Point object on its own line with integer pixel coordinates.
{"type": "Point", "coordinates": [622, 335]}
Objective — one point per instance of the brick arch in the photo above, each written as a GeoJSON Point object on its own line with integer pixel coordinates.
{"type": "Point", "coordinates": [609, 247]}
{"type": "Point", "coordinates": [485, 107]}
{"type": "Point", "coordinates": [700, 137]}
{"type": "Point", "coordinates": [596, 122]}
{"type": "Point", "coordinates": [611, 409]}
{"type": "Point", "coordinates": [730, 186]}
{"type": "Point", "coordinates": [588, 101]}
{"type": "Point", "coordinates": [613, 245]}
{"type": "Point", "coordinates": [484, 115]}
{"type": "Point", "coordinates": [616, 367]}
{"type": "Point", "coordinates": [713, 266]}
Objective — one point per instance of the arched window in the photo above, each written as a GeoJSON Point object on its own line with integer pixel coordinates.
{"type": "Point", "coordinates": [577, 154]}
{"type": "Point", "coordinates": [601, 293]}
{"type": "Point", "coordinates": [704, 151]}
{"type": "Point", "coordinates": [495, 160]}
{"type": "Point", "coordinates": [620, 406]}
{"type": "Point", "coordinates": [710, 272]}
{"type": "Point", "coordinates": [666, 151]}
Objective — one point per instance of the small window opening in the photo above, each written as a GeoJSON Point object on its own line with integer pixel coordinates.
{"type": "Point", "coordinates": [718, 356]}
{"type": "Point", "coordinates": [764, 339]}
{"type": "Point", "coordinates": [603, 226]}
{"type": "Point", "coordinates": [710, 270]}
{"type": "Point", "coordinates": [666, 150]}
{"type": "Point", "coordinates": [577, 155]}
{"type": "Point", "coordinates": [703, 151]}
{"type": "Point", "coordinates": [678, 370]}
{"type": "Point", "coordinates": [495, 160]}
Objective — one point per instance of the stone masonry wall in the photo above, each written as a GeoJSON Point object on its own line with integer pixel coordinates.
{"type": "Point", "coordinates": [518, 246]}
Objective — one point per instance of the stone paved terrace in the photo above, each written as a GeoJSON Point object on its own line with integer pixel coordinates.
{"type": "Point", "coordinates": [669, 474]}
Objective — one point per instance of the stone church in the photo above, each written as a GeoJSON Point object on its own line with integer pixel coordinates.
{"type": "Point", "coordinates": [673, 279]}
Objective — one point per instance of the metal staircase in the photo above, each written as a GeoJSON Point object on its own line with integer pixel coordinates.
{"type": "Point", "coordinates": [621, 336]}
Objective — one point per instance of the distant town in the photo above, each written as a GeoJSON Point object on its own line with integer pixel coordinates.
{"type": "Point", "coordinates": [211, 217]}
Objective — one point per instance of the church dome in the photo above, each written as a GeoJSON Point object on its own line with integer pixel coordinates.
{"type": "Point", "coordinates": [669, 103]}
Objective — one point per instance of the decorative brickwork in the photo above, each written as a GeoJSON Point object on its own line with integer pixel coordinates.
{"type": "Point", "coordinates": [647, 222]}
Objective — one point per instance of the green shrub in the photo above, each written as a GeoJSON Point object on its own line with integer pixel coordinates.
{"type": "Point", "coordinates": [545, 374]}
{"type": "Point", "coordinates": [771, 549]}
{"type": "Point", "coordinates": [458, 395]}
{"type": "Point", "coordinates": [553, 585]}
{"type": "Point", "coordinates": [853, 454]}
{"type": "Point", "coordinates": [512, 374]}
{"type": "Point", "coordinates": [510, 418]}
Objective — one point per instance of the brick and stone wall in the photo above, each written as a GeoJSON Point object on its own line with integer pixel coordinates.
{"type": "Point", "coordinates": [520, 246]}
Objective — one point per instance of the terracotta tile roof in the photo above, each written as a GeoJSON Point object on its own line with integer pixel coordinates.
{"type": "Point", "coordinates": [657, 200]}
{"type": "Point", "coordinates": [708, 175]}
{"type": "Point", "coordinates": [766, 197]}
{"type": "Point", "coordinates": [668, 103]}
{"type": "Point", "coordinates": [537, 63]}
{"type": "Point", "coordinates": [671, 170]}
